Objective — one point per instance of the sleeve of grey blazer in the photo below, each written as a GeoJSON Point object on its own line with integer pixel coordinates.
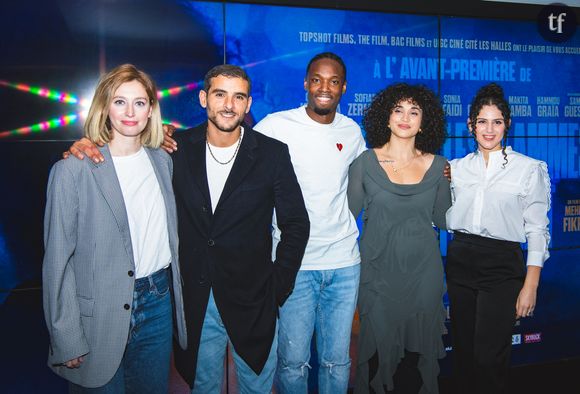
{"type": "Point", "coordinates": [61, 308]}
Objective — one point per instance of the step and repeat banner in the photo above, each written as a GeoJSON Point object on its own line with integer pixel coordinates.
{"type": "Point", "coordinates": [47, 74]}
{"type": "Point", "coordinates": [454, 57]}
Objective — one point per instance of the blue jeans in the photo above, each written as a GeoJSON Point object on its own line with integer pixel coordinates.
{"type": "Point", "coordinates": [209, 373]}
{"type": "Point", "coordinates": [323, 302]}
{"type": "Point", "coordinates": [145, 364]}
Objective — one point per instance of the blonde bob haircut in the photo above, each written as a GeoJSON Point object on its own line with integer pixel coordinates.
{"type": "Point", "coordinates": [98, 126]}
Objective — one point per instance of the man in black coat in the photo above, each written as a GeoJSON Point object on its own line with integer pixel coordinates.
{"type": "Point", "coordinates": [228, 181]}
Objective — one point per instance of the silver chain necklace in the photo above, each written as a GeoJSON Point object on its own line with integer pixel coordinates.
{"type": "Point", "coordinates": [215, 158]}
{"type": "Point", "coordinates": [401, 167]}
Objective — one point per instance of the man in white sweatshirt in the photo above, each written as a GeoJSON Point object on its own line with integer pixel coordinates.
{"type": "Point", "coordinates": [323, 144]}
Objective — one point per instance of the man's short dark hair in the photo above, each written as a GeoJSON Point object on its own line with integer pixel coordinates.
{"type": "Point", "coordinates": [227, 70]}
{"type": "Point", "coordinates": [327, 55]}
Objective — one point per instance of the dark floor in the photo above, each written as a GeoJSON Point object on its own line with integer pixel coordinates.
{"type": "Point", "coordinates": [23, 346]}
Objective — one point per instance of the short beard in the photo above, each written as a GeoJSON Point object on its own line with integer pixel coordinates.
{"type": "Point", "coordinates": [229, 130]}
{"type": "Point", "coordinates": [322, 111]}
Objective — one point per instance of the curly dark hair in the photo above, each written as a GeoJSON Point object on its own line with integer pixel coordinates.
{"type": "Point", "coordinates": [491, 94]}
{"type": "Point", "coordinates": [433, 126]}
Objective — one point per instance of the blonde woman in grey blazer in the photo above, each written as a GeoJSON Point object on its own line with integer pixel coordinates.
{"type": "Point", "coordinates": [110, 233]}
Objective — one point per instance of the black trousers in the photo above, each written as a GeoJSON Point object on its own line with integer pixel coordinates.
{"type": "Point", "coordinates": [484, 278]}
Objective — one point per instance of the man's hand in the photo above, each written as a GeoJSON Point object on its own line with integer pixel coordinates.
{"type": "Point", "coordinates": [74, 363]}
{"type": "Point", "coordinates": [84, 147]}
{"type": "Point", "coordinates": [169, 145]}
{"type": "Point", "coordinates": [447, 172]}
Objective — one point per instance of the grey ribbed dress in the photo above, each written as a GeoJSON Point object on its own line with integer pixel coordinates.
{"type": "Point", "coordinates": [401, 290]}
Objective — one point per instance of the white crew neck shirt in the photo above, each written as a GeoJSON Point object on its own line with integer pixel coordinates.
{"type": "Point", "coordinates": [321, 155]}
{"type": "Point", "coordinates": [217, 173]}
{"type": "Point", "coordinates": [146, 212]}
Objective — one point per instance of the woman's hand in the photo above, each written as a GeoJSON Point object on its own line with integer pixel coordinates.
{"type": "Point", "coordinates": [526, 302]}
{"type": "Point", "coordinates": [74, 363]}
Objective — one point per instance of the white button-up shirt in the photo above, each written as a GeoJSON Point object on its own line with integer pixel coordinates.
{"type": "Point", "coordinates": [509, 204]}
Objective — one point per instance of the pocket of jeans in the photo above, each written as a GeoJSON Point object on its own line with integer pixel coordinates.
{"type": "Point", "coordinates": [162, 287]}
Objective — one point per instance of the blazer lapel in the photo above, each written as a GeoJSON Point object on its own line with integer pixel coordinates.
{"type": "Point", "coordinates": [163, 176]}
{"type": "Point", "coordinates": [162, 179]}
{"type": "Point", "coordinates": [242, 164]}
{"type": "Point", "coordinates": [196, 161]}
{"type": "Point", "coordinates": [108, 183]}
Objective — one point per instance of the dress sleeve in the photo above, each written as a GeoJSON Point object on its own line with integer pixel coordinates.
{"type": "Point", "coordinates": [442, 202]}
{"type": "Point", "coordinates": [537, 204]}
{"type": "Point", "coordinates": [355, 190]}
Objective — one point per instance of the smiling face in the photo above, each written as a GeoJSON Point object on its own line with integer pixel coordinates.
{"type": "Point", "coordinates": [325, 84]}
{"type": "Point", "coordinates": [489, 129]}
{"type": "Point", "coordinates": [227, 102]}
{"type": "Point", "coordinates": [405, 119]}
{"type": "Point", "coordinates": [129, 110]}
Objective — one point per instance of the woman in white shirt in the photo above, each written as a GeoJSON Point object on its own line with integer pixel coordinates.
{"type": "Point", "coordinates": [500, 199]}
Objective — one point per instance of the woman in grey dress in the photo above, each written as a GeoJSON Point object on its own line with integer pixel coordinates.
{"type": "Point", "coordinates": [400, 186]}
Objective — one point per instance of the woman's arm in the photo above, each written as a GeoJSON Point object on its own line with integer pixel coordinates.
{"type": "Point", "coordinates": [526, 302]}
{"type": "Point", "coordinates": [61, 309]}
{"type": "Point", "coordinates": [355, 190]}
{"type": "Point", "coordinates": [535, 214]}
{"type": "Point", "coordinates": [537, 205]}
{"type": "Point", "coordinates": [442, 202]}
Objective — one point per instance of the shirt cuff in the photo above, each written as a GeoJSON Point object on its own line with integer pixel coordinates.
{"type": "Point", "coordinates": [535, 258]}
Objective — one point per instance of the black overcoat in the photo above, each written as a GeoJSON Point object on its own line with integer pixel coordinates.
{"type": "Point", "coordinates": [230, 250]}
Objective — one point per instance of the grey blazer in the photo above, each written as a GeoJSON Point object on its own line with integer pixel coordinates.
{"type": "Point", "coordinates": [88, 256]}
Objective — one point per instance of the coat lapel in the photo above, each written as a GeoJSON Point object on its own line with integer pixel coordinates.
{"type": "Point", "coordinates": [108, 183]}
{"type": "Point", "coordinates": [164, 180]}
{"type": "Point", "coordinates": [242, 165]}
{"type": "Point", "coordinates": [196, 161]}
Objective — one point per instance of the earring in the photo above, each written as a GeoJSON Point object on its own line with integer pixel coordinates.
{"type": "Point", "coordinates": [420, 131]}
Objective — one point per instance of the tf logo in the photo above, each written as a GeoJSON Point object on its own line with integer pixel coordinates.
{"type": "Point", "coordinates": [556, 22]}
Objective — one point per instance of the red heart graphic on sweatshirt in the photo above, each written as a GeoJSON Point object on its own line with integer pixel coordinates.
{"type": "Point", "coordinates": [339, 146]}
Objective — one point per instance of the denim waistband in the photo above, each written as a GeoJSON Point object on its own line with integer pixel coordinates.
{"type": "Point", "coordinates": [153, 280]}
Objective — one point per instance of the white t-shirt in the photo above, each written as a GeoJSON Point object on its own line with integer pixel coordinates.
{"type": "Point", "coordinates": [510, 204]}
{"type": "Point", "coordinates": [146, 212]}
{"type": "Point", "coordinates": [217, 173]}
{"type": "Point", "coordinates": [321, 155]}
